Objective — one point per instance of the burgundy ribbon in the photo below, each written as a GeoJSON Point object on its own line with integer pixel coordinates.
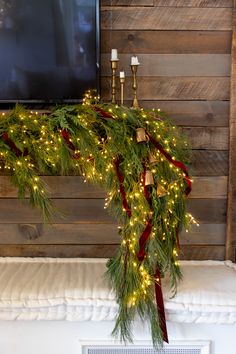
{"type": "Point", "coordinates": [148, 229]}
{"type": "Point", "coordinates": [122, 189]}
{"type": "Point", "coordinates": [160, 305]}
{"type": "Point", "coordinates": [11, 144]}
{"type": "Point", "coordinates": [141, 255]}
{"type": "Point", "coordinates": [66, 136]}
{"type": "Point", "coordinates": [143, 239]}
{"type": "Point", "coordinates": [103, 113]}
{"type": "Point", "coordinates": [174, 162]}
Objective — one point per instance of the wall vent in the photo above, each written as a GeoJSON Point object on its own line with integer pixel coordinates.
{"type": "Point", "coordinates": [178, 348]}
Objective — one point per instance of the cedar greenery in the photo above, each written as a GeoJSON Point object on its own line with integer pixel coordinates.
{"type": "Point", "coordinates": [82, 140]}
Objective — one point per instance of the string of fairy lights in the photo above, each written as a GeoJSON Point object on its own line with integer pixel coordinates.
{"type": "Point", "coordinates": [134, 154]}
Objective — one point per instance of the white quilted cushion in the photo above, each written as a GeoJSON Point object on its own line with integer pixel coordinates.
{"type": "Point", "coordinates": [207, 293]}
{"type": "Point", "coordinates": [75, 290]}
{"type": "Point", "coordinates": [55, 289]}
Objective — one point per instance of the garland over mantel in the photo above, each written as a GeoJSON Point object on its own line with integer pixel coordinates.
{"type": "Point", "coordinates": [138, 156]}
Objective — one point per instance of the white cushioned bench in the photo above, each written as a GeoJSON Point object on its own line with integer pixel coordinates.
{"type": "Point", "coordinates": [75, 290]}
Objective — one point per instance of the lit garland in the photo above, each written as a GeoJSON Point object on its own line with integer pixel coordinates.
{"type": "Point", "coordinates": [146, 184]}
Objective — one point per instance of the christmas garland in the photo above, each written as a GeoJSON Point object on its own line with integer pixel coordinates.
{"type": "Point", "coordinates": [138, 156]}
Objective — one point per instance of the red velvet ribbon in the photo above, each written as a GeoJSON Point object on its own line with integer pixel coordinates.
{"type": "Point", "coordinates": [66, 136]}
{"type": "Point", "coordinates": [117, 161]}
{"type": "Point", "coordinates": [141, 255]}
{"type": "Point", "coordinates": [143, 239]}
{"type": "Point", "coordinates": [121, 187]}
{"type": "Point", "coordinates": [160, 305]}
{"type": "Point", "coordinates": [103, 113]}
{"type": "Point", "coordinates": [174, 162]}
{"type": "Point", "coordinates": [148, 229]}
{"type": "Point", "coordinates": [11, 144]}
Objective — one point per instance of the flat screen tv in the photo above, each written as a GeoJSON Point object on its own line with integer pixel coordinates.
{"type": "Point", "coordinates": [49, 50]}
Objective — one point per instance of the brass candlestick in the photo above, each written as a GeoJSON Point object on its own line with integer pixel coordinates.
{"type": "Point", "coordinates": [114, 63]}
{"type": "Point", "coordinates": [122, 82]}
{"type": "Point", "coordinates": [134, 69]}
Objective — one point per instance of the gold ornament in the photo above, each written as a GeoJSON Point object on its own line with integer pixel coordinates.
{"type": "Point", "coordinates": [161, 191]}
{"type": "Point", "coordinates": [148, 178]}
{"type": "Point", "coordinates": [141, 135]}
{"type": "Point", "coordinates": [152, 159]}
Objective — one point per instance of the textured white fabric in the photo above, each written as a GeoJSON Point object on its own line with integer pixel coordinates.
{"type": "Point", "coordinates": [76, 290]}
{"type": "Point", "coordinates": [207, 293]}
{"type": "Point", "coordinates": [55, 289]}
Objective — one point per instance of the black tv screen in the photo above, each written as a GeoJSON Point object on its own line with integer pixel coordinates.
{"type": "Point", "coordinates": [49, 50]}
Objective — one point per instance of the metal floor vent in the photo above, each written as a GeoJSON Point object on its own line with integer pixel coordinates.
{"type": "Point", "coordinates": [173, 349]}
{"type": "Point", "coordinates": [143, 351]}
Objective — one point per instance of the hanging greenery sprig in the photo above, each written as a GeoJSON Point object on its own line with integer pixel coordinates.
{"type": "Point", "coordinates": [138, 156]}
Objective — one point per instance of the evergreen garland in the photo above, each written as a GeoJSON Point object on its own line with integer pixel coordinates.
{"type": "Point", "coordinates": [98, 141]}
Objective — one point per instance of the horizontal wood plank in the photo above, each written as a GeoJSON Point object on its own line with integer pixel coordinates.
{"type": "Point", "coordinates": [193, 113]}
{"type": "Point", "coordinates": [63, 187]}
{"type": "Point", "coordinates": [58, 187]}
{"type": "Point", "coordinates": [166, 42]}
{"type": "Point", "coordinates": [127, 2]}
{"type": "Point", "coordinates": [172, 64]}
{"type": "Point", "coordinates": [92, 211]}
{"type": "Point", "coordinates": [209, 187]}
{"type": "Point", "coordinates": [166, 18]}
{"type": "Point", "coordinates": [194, 3]}
{"type": "Point", "coordinates": [61, 251]}
{"type": "Point", "coordinates": [204, 234]}
{"type": "Point", "coordinates": [101, 251]}
{"type": "Point", "coordinates": [96, 234]}
{"type": "Point", "coordinates": [209, 138]}
{"type": "Point", "coordinates": [173, 88]}
{"type": "Point", "coordinates": [209, 163]}
{"type": "Point", "coordinates": [59, 234]}
{"type": "Point", "coordinates": [72, 210]}
{"type": "Point", "coordinates": [202, 253]}
{"type": "Point", "coordinates": [167, 3]}
{"type": "Point", "coordinates": [208, 211]}
{"type": "Point", "coordinates": [39, 234]}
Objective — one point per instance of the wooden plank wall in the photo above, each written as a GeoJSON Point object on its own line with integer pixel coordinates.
{"type": "Point", "coordinates": [184, 49]}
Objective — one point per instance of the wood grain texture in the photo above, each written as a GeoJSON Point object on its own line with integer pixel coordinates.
{"type": "Point", "coordinates": [59, 234]}
{"type": "Point", "coordinates": [61, 251]}
{"type": "Point", "coordinates": [63, 187]}
{"type": "Point", "coordinates": [91, 211]}
{"type": "Point", "coordinates": [202, 253]}
{"type": "Point", "coordinates": [194, 3]}
{"type": "Point", "coordinates": [58, 187]}
{"type": "Point", "coordinates": [127, 2]}
{"type": "Point", "coordinates": [173, 88]}
{"type": "Point", "coordinates": [209, 138]}
{"type": "Point", "coordinates": [231, 215]}
{"type": "Point", "coordinates": [172, 64]}
{"type": "Point", "coordinates": [166, 42]}
{"type": "Point", "coordinates": [204, 234]}
{"type": "Point", "coordinates": [166, 18]}
{"type": "Point", "coordinates": [97, 234]}
{"type": "Point", "coordinates": [101, 251]}
{"type": "Point", "coordinates": [166, 3]}
{"type": "Point", "coordinates": [193, 113]}
{"type": "Point", "coordinates": [208, 211]}
{"type": "Point", "coordinates": [209, 187]}
{"type": "Point", "coordinates": [73, 211]}
{"type": "Point", "coordinates": [209, 163]}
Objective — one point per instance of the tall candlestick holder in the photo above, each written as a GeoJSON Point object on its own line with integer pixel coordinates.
{"type": "Point", "coordinates": [114, 63]}
{"type": "Point", "coordinates": [134, 69]}
{"type": "Point", "coordinates": [122, 83]}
